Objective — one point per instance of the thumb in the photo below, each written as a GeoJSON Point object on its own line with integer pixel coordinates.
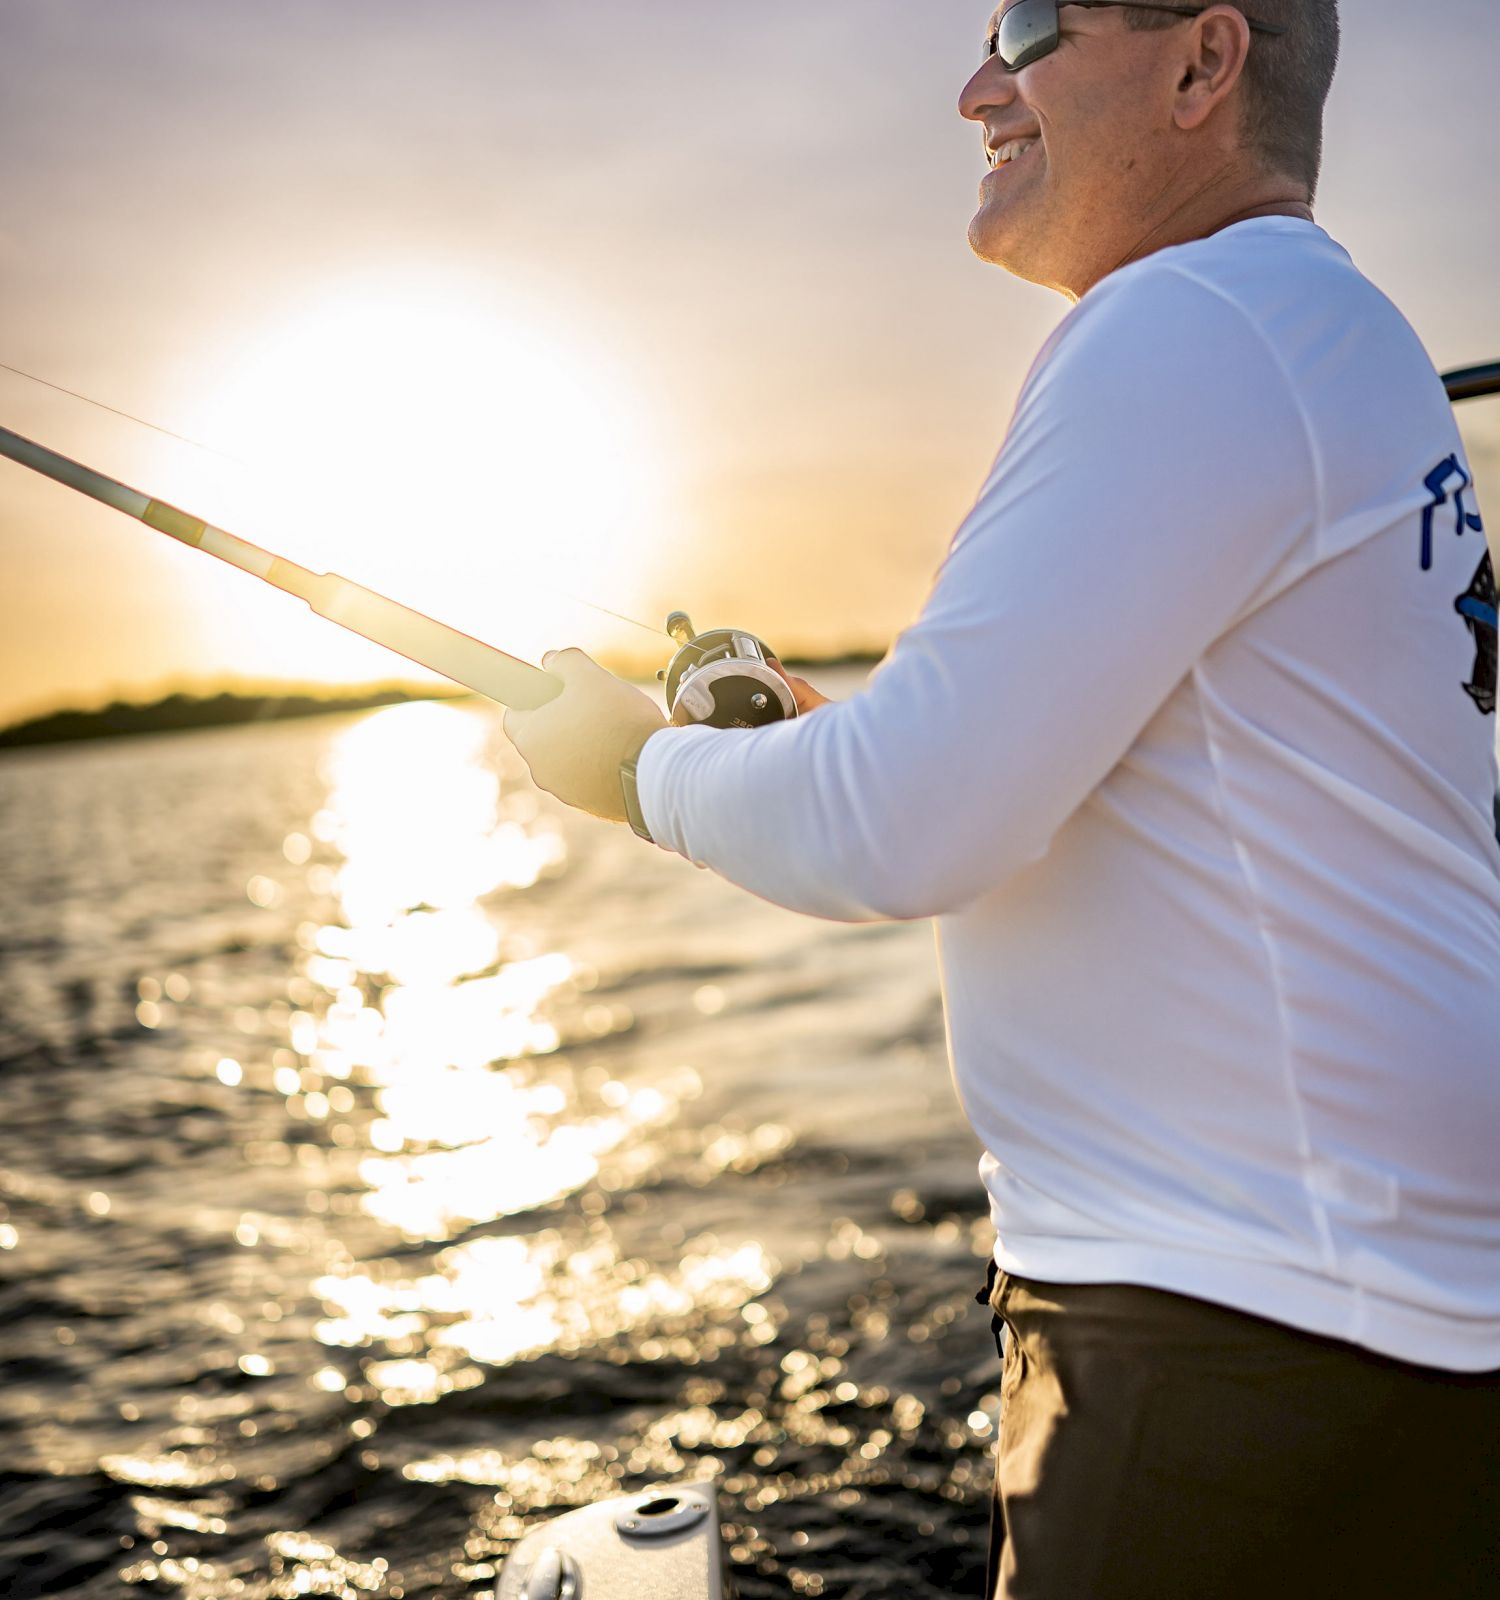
{"type": "Point", "coordinates": [569, 664]}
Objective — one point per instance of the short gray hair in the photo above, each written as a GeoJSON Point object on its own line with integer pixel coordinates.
{"type": "Point", "coordinates": [1287, 80]}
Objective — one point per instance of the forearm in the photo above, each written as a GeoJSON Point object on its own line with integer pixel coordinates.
{"type": "Point", "coordinates": [779, 812]}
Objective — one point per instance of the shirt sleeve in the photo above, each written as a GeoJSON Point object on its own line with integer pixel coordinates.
{"type": "Point", "coordinates": [1157, 482]}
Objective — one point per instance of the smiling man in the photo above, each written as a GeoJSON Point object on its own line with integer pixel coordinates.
{"type": "Point", "coordinates": [1191, 756]}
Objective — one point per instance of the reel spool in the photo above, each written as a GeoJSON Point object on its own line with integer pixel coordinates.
{"type": "Point", "coordinates": [723, 679]}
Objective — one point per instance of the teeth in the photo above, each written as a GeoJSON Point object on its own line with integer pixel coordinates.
{"type": "Point", "coordinates": [1009, 152]}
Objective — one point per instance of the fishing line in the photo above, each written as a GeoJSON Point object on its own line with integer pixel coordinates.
{"type": "Point", "coordinates": [115, 411]}
{"type": "Point", "coordinates": [239, 461]}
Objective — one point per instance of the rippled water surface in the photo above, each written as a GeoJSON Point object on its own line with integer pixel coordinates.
{"type": "Point", "coordinates": [389, 1160]}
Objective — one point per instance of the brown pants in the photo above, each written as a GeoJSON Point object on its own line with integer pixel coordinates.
{"type": "Point", "coordinates": [1154, 1447]}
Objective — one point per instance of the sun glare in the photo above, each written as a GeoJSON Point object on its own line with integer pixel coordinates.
{"type": "Point", "coordinates": [454, 453]}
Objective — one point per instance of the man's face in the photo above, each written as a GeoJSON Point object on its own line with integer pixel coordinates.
{"type": "Point", "coordinates": [1085, 131]}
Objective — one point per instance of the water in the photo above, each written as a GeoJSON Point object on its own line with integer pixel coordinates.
{"type": "Point", "coordinates": [390, 1160]}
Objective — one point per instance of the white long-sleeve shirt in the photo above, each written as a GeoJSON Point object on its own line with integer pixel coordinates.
{"type": "Point", "coordinates": [1191, 753]}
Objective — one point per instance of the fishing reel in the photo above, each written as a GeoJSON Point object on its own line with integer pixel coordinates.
{"type": "Point", "coordinates": [723, 679]}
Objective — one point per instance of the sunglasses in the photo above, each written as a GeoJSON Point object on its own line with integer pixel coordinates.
{"type": "Point", "coordinates": [1028, 30]}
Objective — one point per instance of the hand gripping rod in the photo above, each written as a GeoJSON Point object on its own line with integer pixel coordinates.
{"type": "Point", "coordinates": [373, 616]}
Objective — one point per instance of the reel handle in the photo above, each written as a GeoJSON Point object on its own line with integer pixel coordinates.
{"type": "Point", "coordinates": [680, 627]}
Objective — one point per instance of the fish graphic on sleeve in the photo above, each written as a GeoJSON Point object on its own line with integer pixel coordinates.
{"type": "Point", "coordinates": [1477, 607]}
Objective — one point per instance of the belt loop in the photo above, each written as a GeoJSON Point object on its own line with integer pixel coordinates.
{"type": "Point", "coordinates": [986, 1297]}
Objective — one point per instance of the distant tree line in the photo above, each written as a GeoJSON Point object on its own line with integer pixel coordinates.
{"type": "Point", "coordinates": [180, 712]}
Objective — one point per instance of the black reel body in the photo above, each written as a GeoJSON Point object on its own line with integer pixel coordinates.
{"type": "Point", "coordinates": [723, 679]}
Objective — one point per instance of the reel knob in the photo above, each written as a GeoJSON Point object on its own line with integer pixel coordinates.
{"type": "Point", "coordinates": [680, 627]}
{"type": "Point", "coordinates": [723, 679]}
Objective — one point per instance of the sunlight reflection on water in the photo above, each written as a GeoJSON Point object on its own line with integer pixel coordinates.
{"type": "Point", "coordinates": [494, 1299]}
{"type": "Point", "coordinates": [416, 815]}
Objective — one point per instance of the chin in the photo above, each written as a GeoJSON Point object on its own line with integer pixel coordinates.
{"type": "Point", "coordinates": [984, 244]}
{"type": "Point", "coordinates": [1006, 243]}
{"type": "Point", "coordinates": [996, 240]}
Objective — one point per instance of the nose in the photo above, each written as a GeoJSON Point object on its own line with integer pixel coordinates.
{"type": "Point", "coordinates": [992, 88]}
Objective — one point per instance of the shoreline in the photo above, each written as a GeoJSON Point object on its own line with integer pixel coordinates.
{"type": "Point", "coordinates": [183, 712]}
{"type": "Point", "coordinates": [187, 713]}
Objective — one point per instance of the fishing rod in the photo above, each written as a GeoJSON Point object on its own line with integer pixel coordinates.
{"type": "Point", "coordinates": [1473, 383]}
{"type": "Point", "coordinates": [419, 638]}
{"type": "Point", "coordinates": [722, 678]}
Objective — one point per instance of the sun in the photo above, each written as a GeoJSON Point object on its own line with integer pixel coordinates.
{"type": "Point", "coordinates": [466, 456]}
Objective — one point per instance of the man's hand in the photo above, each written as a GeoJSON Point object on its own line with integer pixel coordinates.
{"type": "Point", "coordinates": [807, 698]}
{"type": "Point", "coordinates": [574, 744]}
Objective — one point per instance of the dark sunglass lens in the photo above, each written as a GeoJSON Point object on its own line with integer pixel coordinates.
{"type": "Point", "coordinates": [1027, 31]}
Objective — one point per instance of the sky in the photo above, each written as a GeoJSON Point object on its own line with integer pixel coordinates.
{"type": "Point", "coordinates": [667, 305]}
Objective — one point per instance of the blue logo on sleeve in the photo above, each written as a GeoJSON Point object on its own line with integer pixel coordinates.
{"type": "Point", "coordinates": [1437, 486]}
{"type": "Point", "coordinates": [1476, 605]}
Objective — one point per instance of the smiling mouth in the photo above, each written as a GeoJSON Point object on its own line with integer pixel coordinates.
{"type": "Point", "coordinates": [1004, 154]}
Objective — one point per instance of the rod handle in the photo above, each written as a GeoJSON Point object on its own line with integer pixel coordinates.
{"type": "Point", "coordinates": [434, 644]}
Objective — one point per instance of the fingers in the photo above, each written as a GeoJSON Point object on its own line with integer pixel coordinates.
{"type": "Point", "coordinates": [806, 697]}
{"type": "Point", "coordinates": [516, 725]}
{"type": "Point", "coordinates": [542, 725]}
{"type": "Point", "coordinates": [568, 665]}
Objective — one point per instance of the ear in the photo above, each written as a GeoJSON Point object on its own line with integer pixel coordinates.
{"type": "Point", "coordinates": [1215, 49]}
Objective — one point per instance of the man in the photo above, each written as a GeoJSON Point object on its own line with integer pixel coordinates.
{"type": "Point", "coordinates": [1191, 757]}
